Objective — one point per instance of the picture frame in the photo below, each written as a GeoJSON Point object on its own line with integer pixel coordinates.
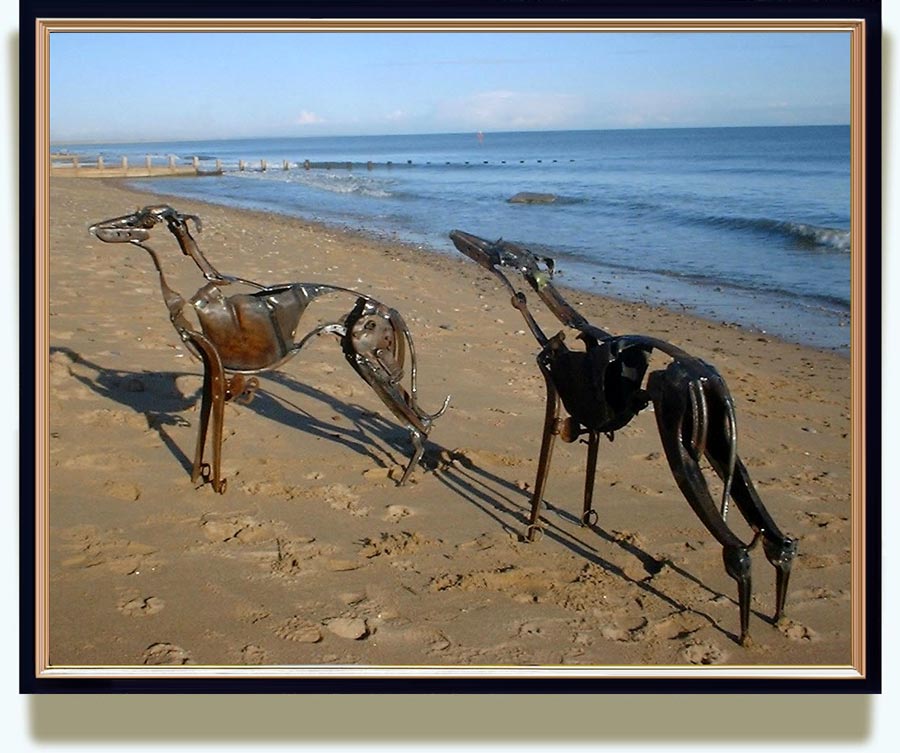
{"type": "Point", "coordinates": [861, 675]}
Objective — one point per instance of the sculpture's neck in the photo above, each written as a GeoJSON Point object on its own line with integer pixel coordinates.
{"type": "Point", "coordinates": [554, 301]}
{"type": "Point", "coordinates": [563, 310]}
{"type": "Point", "coordinates": [190, 248]}
{"type": "Point", "coordinates": [173, 299]}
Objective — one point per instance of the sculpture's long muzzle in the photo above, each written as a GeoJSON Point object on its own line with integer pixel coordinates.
{"type": "Point", "coordinates": [477, 249]}
{"type": "Point", "coordinates": [124, 229]}
{"type": "Point", "coordinates": [136, 227]}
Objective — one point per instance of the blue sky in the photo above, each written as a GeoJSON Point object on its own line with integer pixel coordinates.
{"type": "Point", "coordinates": [172, 85]}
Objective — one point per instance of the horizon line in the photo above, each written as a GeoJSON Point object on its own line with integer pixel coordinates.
{"type": "Point", "coordinates": [95, 141]}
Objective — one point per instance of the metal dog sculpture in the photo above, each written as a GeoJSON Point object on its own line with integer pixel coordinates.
{"type": "Point", "coordinates": [603, 388]}
{"type": "Point", "coordinates": [251, 332]}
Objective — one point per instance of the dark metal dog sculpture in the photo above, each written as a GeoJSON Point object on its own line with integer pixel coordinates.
{"type": "Point", "coordinates": [603, 388]}
{"type": "Point", "coordinates": [251, 332]}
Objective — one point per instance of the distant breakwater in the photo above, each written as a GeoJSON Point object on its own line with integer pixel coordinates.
{"type": "Point", "coordinates": [75, 166]}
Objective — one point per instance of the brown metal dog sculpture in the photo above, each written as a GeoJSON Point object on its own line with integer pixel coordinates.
{"type": "Point", "coordinates": [251, 332]}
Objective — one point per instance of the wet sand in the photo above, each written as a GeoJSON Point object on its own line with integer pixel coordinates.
{"type": "Point", "coordinates": [313, 556]}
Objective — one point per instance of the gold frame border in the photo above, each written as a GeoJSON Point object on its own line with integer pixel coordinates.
{"type": "Point", "coordinates": [856, 27]}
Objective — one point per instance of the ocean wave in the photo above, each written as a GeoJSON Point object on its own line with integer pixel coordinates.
{"type": "Point", "coordinates": [804, 234]}
{"type": "Point", "coordinates": [709, 281]}
{"type": "Point", "coordinates": [334, 182]}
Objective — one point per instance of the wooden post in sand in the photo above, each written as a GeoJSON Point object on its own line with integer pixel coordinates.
{"type": "Point", "coordinates": [196, 162]}
{"type": "Point", "coordinates": [172, 162]}
{"type": "Point", "coordinates": [241, 165]}
{"type": "Point", "coordinates": [306, 164]}
{"type": "Point", "coordinates": [147, 162]}
{"type": "Point", "coordinates": [218, 165]}
{"type": "Point", "coordinates": [124, 162]}
{"type": "Point", "coordinates": [262, 165]}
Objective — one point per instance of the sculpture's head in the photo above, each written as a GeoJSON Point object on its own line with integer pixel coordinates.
{"type": "Point", "coordinates": [135, 227]}
{"type": "Point", "coordinates": [493, 254]}
{"type": "Point", "coordinates": [477, 249]}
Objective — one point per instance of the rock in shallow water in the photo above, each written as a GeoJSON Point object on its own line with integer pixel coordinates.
{"type": "Point", "coordinates": [527, 197]}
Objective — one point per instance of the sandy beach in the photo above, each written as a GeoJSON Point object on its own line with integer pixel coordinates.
{"type": "Point", "coordinates": [313, 556]}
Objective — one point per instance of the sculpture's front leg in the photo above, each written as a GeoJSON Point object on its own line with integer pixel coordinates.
{"type": "Point", "coordinates": [551, 430]}
{"type": "Point", "coordinates": [212, 406]}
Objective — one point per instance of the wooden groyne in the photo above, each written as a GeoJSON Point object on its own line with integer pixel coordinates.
{"type": "Point", "coordinates": [70, 166]}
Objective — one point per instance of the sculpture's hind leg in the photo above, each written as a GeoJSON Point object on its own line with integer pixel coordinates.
{"type": "Point", "coordinates": [780, 550]}
{"type": "Point", "coordinates": [589, 514]}
{"type": "Point", "coordinates": [373, 344]}
{"type": "Point", "coordinates": [670, 392]}
{"type": "Point", "coordinates": [418, 441]}
{"type": "Point", "coordinates": [551, 429]}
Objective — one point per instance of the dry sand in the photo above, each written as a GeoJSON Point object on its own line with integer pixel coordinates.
{"type": "Point", "coordinates": [314, 556]}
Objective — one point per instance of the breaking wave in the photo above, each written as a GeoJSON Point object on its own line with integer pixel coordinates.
{"type": "Point", "coordinates": [803, 234]}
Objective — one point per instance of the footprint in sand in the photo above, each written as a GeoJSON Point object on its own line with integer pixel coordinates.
{"type": "Point", "coordinates": [123, 557]}
{"type": "Point", "coordinates": [299, 630]}
{"type": "Point", "coordinates": [819, 561]}
{"type": "Point", "coordinates": [142, 607]}
{"type": "Point", "coordinates": [107, 417]}
{"type": "Point", "coordinates": [797, 632]}
{"type": "Point", "coordinates": [429, 639]}
{"type": "Point", "coordinates": [253, 654]}
{"type": "Point", "coordinates": [467, 457]}
{"type": "Point", "coordinates": [378, 474]}
{"type": "Point", "coordinates": [270, 489]}
{"type": "Point", "coordinates": [166, 653]}
{"type": "Point", "coordinates": [623, 634]}
{"type": "Point", "coordinates": [393, 544]}
{"type": "Point", "coordinates": [122, 490]}
{"type": "Point", "coordinates": [341, 497]}
{"type": "Point", "coordinates": [236, 528]}
{"type": "Point", "coordinates": [678, 626]}
{"type": "Point", "coordinates": [253, 616]}
{"type": "Point", "coordinates": [351, 628]}
{"type": "Point", "coordinates": [826, 520]}
{"type": "Point", "coordinates": [702, 652]}
{"type": "Point", "coordinates": [395, 513]}
{"type": "Point", "coordinates": [531, 629]}
{"type": "Point", "coordinates": [103, 461]}
{"type": "Point", "coordinates": [300, 556]}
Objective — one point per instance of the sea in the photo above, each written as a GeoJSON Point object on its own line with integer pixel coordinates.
{"type": "Point", "coordinates": [747, 226]}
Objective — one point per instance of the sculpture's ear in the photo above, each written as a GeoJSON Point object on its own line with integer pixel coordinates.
{"type": "Point", "coordinates": [198, 225]}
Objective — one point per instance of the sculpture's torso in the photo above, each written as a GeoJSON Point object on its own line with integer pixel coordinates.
{"type": "Point", "coordinates": [250, 331]}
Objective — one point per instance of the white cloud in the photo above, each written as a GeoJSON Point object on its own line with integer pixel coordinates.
{"type": "Point", "coordinates": [512, 110]}
{"type": "Point", "coordinates": [309, 118]}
